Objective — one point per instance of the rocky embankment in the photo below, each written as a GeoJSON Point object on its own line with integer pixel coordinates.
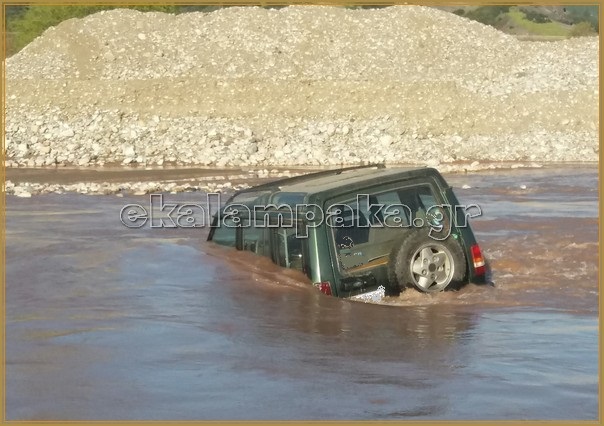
{"type": "Point", "coordinates": [315, 86]}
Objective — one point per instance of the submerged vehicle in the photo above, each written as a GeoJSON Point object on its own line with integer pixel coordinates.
{"type": "Point", "coordinates": [358, 229]}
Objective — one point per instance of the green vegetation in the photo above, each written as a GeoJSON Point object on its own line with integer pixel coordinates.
{"type": "Point", "coordinates": [518, 19]}
{"type": "Point", "coordinates": [581, 29]}
{"type": "Point", "coordinates": [563, 21]}
{"type": "Point", "coordinates": [488, 15]}
{"type": "Point", "coordinates": [537, 17]}
{"type": "Point", "coordinates": [580, 14]}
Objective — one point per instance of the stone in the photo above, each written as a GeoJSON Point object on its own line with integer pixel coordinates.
{"type": "Point", "coordinates": [128, 151]}
{"type": "Point", "coordinates": [386, 140]}
{"type": "Point", "coordinates": [67, 133]}
{"type": "Point", "coordinates": [22, 193]}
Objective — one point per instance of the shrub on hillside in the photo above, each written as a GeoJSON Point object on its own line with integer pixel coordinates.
{"type": "Point", "coordinates": [537, 17]}
{"type": "Point", "coordinates": [581, 29]}
{"type": "Point", "coordinates": [578, 14]}
{"type": "Point", "coordinates": [488, 15]}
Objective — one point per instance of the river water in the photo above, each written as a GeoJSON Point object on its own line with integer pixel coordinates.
{"type": "Point", "coordinates": [106, 322]}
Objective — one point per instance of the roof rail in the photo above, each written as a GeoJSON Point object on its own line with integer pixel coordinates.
{"type": "Point", "coordinates": [302, 178]}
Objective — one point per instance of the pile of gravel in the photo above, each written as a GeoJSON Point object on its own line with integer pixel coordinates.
{"type": "Point", "coordinates": [297, 86]}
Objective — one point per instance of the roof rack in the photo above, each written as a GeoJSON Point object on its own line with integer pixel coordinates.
{"type": "Point", "coordinates": [302, 178]}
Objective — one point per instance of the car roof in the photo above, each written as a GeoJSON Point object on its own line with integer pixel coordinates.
{"type": "Point", "coordinates": [327, 183]}
{"type": "Point", "coordinates": [345, 178]}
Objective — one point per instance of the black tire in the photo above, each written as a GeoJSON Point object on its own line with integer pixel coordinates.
{"type": "Point", "coordinates": [427, 264]}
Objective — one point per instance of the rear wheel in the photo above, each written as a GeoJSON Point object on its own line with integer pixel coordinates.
{"type": "Point", "coordinates": [427, 264]}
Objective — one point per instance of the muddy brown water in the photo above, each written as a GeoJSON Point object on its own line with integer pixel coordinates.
{"type": "Point", "coordinates": [106, 322]}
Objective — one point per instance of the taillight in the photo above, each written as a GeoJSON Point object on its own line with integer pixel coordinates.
{"type": "Point", "coordinates": [478, 260]}
{"type": "Point", "coordinates": [324, 287]}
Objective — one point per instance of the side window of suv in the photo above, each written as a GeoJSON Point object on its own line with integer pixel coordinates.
{"type": "Point", "coordinates": [255, 239]}
{"type": "Point", "coordinates": [225, 234]}
{"type": "Point", "coordinates": [426, 197]}
{"type": "Point", "coordinates": [281, 244]}
{"type": "Point", "coordinates": [287, 248]}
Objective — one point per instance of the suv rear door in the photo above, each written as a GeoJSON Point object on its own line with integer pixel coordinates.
{"type": "Point", "coordinates": [372, 221]}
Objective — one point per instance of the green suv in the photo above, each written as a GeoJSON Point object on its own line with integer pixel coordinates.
{"type": "Point", "coordinates": [358, 230]}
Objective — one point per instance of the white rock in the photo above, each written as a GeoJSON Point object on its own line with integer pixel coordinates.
{"type": "Point", "coordinates": [128, 151]}
{"type": "Point", "coordinates": [20, 192]}
{"type": "Point", "coordinates": [67, 133]}
{"type": "Point", "coordinates": [386, 140]}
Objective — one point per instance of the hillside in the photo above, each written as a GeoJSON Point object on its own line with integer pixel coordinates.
{"type": "Point", "coordinates": [297, 86]}
{"type": "Point", "coordinates": [536, 21]}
